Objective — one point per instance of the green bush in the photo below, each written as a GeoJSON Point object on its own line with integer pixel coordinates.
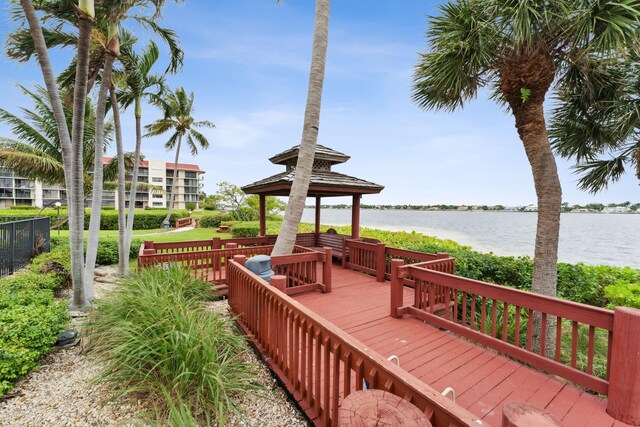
{"type": "Point", "coordinates": [108, 250]}
{"type": "Point", "coordinates": [245, 230]}
{"type": "Point", "coordinates": [190, 206]}
{"type": "Point", "coordinates": [154, 335]}
{"type": "Point", "coordinates": [215, 219]}
{"type": "Point", "coordinates": [143, 219]}
{"type": "Point", "coordinates": [623, 293]}
{"type": "Point", "coordinates": [30, 318]}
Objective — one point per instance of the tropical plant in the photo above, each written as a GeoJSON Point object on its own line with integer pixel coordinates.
{"type": "Point", "coordinates": [155, 335]}
{"type": "Point", "coordinates": [178, 111]}
{"type": "Point", "coordinates": [298, 194]}
{"type": "Point", "coordinates": [517, 50]}
{"type": "Point", "coordinates": [137, 83]}
{"type": "Point", "coordinates": [597, 122]}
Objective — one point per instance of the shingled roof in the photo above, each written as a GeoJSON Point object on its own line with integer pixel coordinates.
{"type": "Point", "coordinates": [322, 153]}
{"type": "Point", "coordinates": [324, 182]}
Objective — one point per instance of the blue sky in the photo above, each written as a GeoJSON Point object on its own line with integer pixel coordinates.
{"type": "Point", "coordinates": [248, 61]}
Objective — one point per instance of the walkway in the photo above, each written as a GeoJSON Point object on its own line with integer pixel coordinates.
{"type": "Point", "coordinates": [483, 380]}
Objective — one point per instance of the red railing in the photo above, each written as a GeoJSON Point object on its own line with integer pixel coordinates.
{"type": "Point", "coordinates": [184, 222]}
{"type": "Point", "coordinates": [503, 318]}
{"type": "Point", "coordinates": [318, 362]}
{"type": "Point", "coordinates": [375, 259]}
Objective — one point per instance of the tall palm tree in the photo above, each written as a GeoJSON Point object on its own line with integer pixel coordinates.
{"type": "Point", "coordinates": [71, 142]}
{"type": "Point", "coordinates": [138, 83]}
{"type": "Point", "coordinates": [518, 50]}
{"type": "Point", "coordinates": [298, 194]}
{"type": "Point", "coordinates": [597, 124]}
{"type": "Point", "coordinates": [178, 118]}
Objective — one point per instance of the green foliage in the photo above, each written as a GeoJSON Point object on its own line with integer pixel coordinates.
{"type": "Point", "coordinates": [190, 206]}
{"type": "Point", "coordinates": [623, 293]}
{"type": "Point", "coordinates": [154, 335]}
{"type": "Point", "coordinates": [30, 319]}
{"type": "Point", "coordinates": [244, 229]}
{"type": "Point", "coordinates": [108, 250]}
{"type": "Point", "coordinates": [143, 220]}
{"type": "Point", "coordinates": [214, 219]}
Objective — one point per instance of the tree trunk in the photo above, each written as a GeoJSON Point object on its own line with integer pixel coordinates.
{"type": "Point", "coordinates": [123, 253]}
{"type": "Point", "coordinates": [295, 206]}
{"type": "Point", "coordinates": [42, 54]}
{"type": "Point", "coordinates": [175, 181]}
{"type": "Point", "coordinates": [76, 201]}
{"type": "Point", "coordinates": [134, 176]}
{"type": "Point", "coordinates": [98, 181]}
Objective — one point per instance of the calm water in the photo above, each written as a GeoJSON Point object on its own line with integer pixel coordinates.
{"type": "Point", "coordinates": [590, 238]}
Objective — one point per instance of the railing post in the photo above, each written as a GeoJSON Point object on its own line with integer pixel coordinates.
{"type": "Point", "coordinates": [442, 255]}
{"type": "Point", "coordinates": [231, 246]}
{"type": "Point", "coordinates": [240, 259]}
{"type": "Point", "coordinates": [344, 252]}
{"type": "Point", "coordinates": [215, 243]}
{"type": "Point", "coordinates": [148, 244]}
{"type": "Point", "coordinates": [381, 264]}
{"type": "Point", "coordinates": [624, 377]}
{"type": "Point", "coordinates": [326, 269]}
{"type": "Point", "coordinates": [396, 287]}
{"type": "Point", "coordinates": [149, 252]}
{"type": "Point", "coordinates": [12, 246]}
{"type": "Point", "coordinates": [279, 282]}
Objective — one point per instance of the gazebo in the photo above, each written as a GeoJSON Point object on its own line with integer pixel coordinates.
{"type": "Point", "coordinates": [324, 183]}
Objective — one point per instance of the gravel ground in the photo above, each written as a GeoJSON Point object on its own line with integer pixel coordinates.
{"type": "Point", "coordinates": [60, 392]}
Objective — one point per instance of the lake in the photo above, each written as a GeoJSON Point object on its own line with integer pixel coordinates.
{"type": "Point", "coordinates": [610, 239]}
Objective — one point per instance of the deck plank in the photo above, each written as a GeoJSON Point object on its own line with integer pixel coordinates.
{"type": "Point", "coordinates": [483, 380]}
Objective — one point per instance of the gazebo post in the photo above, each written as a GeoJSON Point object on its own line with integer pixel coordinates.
{"type": "Point", "coordinates": [355, 217]}
{"type": "Point", "coordinates": [263, 215]}
{"type": "Point", "coordinates": [318, 201]}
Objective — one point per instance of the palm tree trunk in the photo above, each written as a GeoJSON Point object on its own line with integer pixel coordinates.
{"type": "Point", "coordinates": [175, 182]}
{"type": "Point", "coordinates": [98, 181]}
{"type": "Point", "coordinates": [287, 237]}
{"type": "Point", "coordinates": [533, 132]}
{"type": "Point", "coordinates": [123, 253]}
{"type": "Point", "coordinates": [76, 201]}
{"type": "Point", "coordinates": [77, 257]}
{"type": "Point", "coordinates": [134, 176]}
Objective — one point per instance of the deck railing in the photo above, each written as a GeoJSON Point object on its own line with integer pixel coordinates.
{"type": "Point", "coordinates": [375, 259]}
{"type": "Point", "coordinates": [503, 318]}
{"type": "Point", "coordinates": [318, 362]}
{"type": "Point", "coordinates": [184, 222]}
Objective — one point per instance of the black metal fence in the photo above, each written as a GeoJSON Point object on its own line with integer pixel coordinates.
{"type": "Point", "coordinates": [21, 240]}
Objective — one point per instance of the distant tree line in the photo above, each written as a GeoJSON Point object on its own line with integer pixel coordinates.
{"type": "Point", "coordinates": [566, 207]}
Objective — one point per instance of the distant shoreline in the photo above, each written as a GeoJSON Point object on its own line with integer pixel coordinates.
{"type": "Point", "coordinates": [459, 209]}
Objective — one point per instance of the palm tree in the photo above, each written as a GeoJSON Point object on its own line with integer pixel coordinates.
{"type": "Point", "coordinates": [518, 50]}
{"type": "Point", "coordinates": [298, 194]}
{"type": "Point", "coordinates": [178, 112]}
{"type": "Point", "coordinates": [71, 144]}
{"type": "Point", "coordinates": [138, 84]}
{"type": "Point", "coordinates": [598, 124]}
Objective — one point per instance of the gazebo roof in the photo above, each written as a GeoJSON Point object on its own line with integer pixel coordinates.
{"type": "Point", "coordinates": [322, 153]}
{"type": "Point", "coordinates": [324, 182]}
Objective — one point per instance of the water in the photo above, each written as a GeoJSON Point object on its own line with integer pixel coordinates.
{"type": "Point", "coordinates": [595, 239]}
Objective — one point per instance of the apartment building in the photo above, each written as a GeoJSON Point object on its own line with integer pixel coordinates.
{"type": "Point", "coordinates": [19, 191]}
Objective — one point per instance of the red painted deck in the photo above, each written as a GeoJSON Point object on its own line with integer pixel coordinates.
{"type": "Point", "coordinates": [483, 380]}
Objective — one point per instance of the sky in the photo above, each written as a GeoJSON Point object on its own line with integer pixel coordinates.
{"type": "Point", "coordinates": [247, 61]}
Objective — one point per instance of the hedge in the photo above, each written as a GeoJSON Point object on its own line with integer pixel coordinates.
{"type": "Point", "coordinates": [107, 251]}
{"type": "Point", "coordinates": [30, 318]}
{"type": "Point", "coordinates": [245, 230]}
{"type": "Point", "coordinates": [144, 219]}
{"type": "Point", "coordinates": [213, 220]}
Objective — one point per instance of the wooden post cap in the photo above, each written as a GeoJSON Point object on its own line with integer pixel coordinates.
{"type": "Point", "coordinates": [240, 259]}
{"type": "Point", "coordinates": [231, 246]}
{"type": "Point", "coordinates": [521, 414]}
{"type": "Point", "coordinates": [369, 408]}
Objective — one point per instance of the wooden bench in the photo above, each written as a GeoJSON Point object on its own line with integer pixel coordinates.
{"type": "Point", "coordinates": [223, 229]}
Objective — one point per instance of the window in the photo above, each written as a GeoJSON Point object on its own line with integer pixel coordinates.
{"type": "Point", "coordinates": [190, 174]}
{"type": "Point", "coordinates": [157, 204]}
{"type": "Point", "coordinates": [157, 179]}
{"type": "Point", "coordinates": [157, 196]}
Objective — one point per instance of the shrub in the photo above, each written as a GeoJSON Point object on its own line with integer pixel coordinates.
{"type": "Point", "coordinates": [215, 219]}
{"type": "Point", "coordinates": [190, 206]}
{"type": "Point", "coordinates": [245, 230]}
{"type": "Point", "coordinates": [30, 319]}
{"type": "Point", "coordinates": [623, 293]}
{"type": "Point", "coordinates": [154, 335]}
{"type": "Point", "coordinates": [108, 250]}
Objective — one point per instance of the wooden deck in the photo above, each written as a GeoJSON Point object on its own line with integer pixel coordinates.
{"type": "Point", "coordinates": [483, 380]}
